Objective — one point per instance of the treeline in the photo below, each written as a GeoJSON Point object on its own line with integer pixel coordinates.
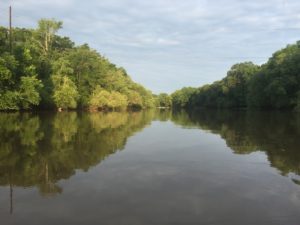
{"type": "Point", "coordinates": [45, 70]}
{"type": "Point", "coordinates": [163, 100]}
{"type": "Point", "coordinates": [273, 85]}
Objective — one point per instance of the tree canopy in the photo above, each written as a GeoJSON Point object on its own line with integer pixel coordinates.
{"type": "Point", "coordinates": [46, 70]}
{"type": "Point", "coordinates": [273, 85]}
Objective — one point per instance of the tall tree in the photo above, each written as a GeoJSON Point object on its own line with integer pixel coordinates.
{"type": "Point", "coordinates": [65, 93]}
{"type": "Point", "coordinates": [29, 92]}
{"type": "Point", "coordinates": [46, 31]}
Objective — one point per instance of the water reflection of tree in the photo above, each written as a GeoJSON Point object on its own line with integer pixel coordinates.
{"type": "Point", "coordinates": [19, 136]}
{"type": "Point", "coordinates": [163, 114]}
{"type": "Point", "coordinates": [39, 150]}
{"type": "Point", "coordinates": [275, 133]}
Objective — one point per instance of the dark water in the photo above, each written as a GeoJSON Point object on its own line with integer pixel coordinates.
{"type": "Point", "coordinates": [210, 168]}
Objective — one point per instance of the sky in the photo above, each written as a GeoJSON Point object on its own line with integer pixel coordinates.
{"type": "Point", "coordinates": [169, 44]}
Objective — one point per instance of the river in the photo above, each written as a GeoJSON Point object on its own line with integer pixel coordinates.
{"type": "Point", "coordinates": [150, 167]}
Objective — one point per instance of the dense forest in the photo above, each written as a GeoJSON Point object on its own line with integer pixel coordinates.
{"type": "Point", "coordinates": [273, 85]}
{"type": "Point", "coordinates": [43, 70]}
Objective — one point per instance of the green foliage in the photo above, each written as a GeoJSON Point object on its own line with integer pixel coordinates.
{"type": "Point", "coordinates": [29, 92]}
{"type": "Point", "coordinates": [274, 85]}
{"type": "Point", "coordinates": [46, 31]}
{"type": "Point", "coordinates": [66, 76]}
{"type": "Point", "coordinates": [164, 100]}
{"type": "Point", "coordinates": [116, 100]}
{"type": "Point", "coordinates": [65, 92]}
{"type": "Point", "coordinates": [230, 92]}
{"type": "Point", "coordinates": [148, 101]}
{"type": "Point", "coordinates": [5, 73]}
{"type": "Point", "coordinates": [134, 99]}
{"type": "Point", "coordinates": [99, 99]}
{"type": "Point", "coordinates": [88, 71]}
{"type": "Point", "coordinates": [235, 85]}
{"type": "Point", "coordinates": [8, 66]}
{"type": "Point", "coordinates": [181, 97]}
{"type": "Point", "coordinates": [9, 100]}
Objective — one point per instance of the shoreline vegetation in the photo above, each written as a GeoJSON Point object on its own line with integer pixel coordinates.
{"type": "Point", "coordinates": [274, 85]}
{"type": "Point", "coordinates": [44, 71]}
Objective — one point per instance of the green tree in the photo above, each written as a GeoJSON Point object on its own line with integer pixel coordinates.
{"type": "Point", "coordinates": [134, 99]}
{"type": "Point", "coordinates": [9, 100]}
{"type": "Point", "coordinates": [117, 100]}
{"type": "Point", "coordinates": [164, 100]}
{"type": "Point", "coordinates": [99, 99]}
{"type": "Point", "coordinates": [29, 92]}
{"type": "Point", "coordinates": [46, 31]}
{"type": "Point", "coordinates": [88, 71]}
{"type": "Point", "coordinates": [65, 93]}
{"type": "Point", "coordinates": [235, 85]}
{"type": "Point", "coordinates": [181, 98]}
{"type": "Point", "coordinates": [60, 66]}
{"type": "Point", "coordinates": [8, 67]}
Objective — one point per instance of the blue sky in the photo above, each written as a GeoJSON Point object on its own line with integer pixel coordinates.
{"type": "Point", "coordinates": [168, 44]}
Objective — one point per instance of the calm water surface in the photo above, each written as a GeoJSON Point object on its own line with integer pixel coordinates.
{"type": "Point", "coordinates": [209, 167]}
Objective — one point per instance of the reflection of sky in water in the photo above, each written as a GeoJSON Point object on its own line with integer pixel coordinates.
{"type": "Point", "coordinates": [166, 173]}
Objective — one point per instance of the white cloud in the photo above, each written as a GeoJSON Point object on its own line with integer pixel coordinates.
{"type": "Point", "coordinates": [195, 41]}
